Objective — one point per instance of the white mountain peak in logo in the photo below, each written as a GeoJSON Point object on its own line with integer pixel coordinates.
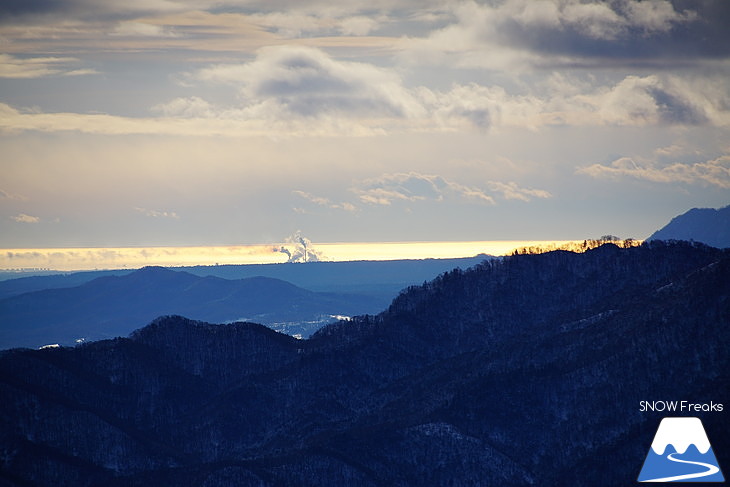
{"type": "Point", "coordinates": [680, 433]}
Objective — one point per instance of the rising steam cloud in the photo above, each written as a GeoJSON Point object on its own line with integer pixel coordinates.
{"type": "Point", "coordinates": [299, 249]}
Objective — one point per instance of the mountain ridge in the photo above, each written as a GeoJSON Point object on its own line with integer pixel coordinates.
{"type": "Point", "coordinates": [350, 276]}
{"type": "Point", "coordinates": [111, 306]}
{"type": "Point", "coordinates": [447, 387]}
{"type": "Point", "coordinates": [707, 225]}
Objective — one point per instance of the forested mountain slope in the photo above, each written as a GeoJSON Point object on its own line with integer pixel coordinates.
{"type": "Point", "coordinates": [528, 370]}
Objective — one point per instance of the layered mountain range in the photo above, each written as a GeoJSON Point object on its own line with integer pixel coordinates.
{"type": "Point", "coordinates": [296, 299]}
{"type": "Point", "coordinates": [111, 306]}
{"type": "Point", "coordinates": [528, 370]}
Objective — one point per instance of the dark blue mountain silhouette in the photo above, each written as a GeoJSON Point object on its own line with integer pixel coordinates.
{"type": "Point", "coordinates": [380, 279]}
{"type": "Point", "coordinates": [116, 305]}
{"type": "Point", "coordinates": [527, 370]}
{"type": "Point", "coordinates": [706, 225]}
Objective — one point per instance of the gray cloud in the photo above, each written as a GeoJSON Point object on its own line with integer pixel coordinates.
{"type": "Point", "coordinates": [575, 33]}
{"type": "Point", "coordinates": [674, 109]}
{"type": "Point", "coordinates": [40, 11]}
{"type": "Point", "coordinates": [13, 9]}
{"type": "Point", "coordinates": [307, 82]}
{"type": "Point", "coordinates": [596, 29]}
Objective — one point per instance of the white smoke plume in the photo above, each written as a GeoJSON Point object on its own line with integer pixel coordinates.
{"type": "Point", "coordinates": [299, 249]}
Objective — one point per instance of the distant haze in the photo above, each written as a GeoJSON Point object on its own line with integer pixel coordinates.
{"type": "Point", "coordinates": [116, 258]}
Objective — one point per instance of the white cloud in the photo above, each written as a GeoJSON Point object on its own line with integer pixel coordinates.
{"type": "Point", "coordinates": [23, 218]}
{"type": "Point", "coordinates": [714, 172]}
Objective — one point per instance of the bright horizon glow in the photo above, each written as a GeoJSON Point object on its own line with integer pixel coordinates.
{"type": "Point", "coordinates": [77, 259]}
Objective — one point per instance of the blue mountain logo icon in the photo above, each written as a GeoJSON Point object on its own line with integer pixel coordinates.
{"type": "Point", "coordinates": [681, 452]}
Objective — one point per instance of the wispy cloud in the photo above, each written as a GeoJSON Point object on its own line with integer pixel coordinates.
{"type": "Point", "coordinates": [412, 187]}
{"type": "Point", "coordinates": [5, 195]}
{"type": "Point", "coordinates": [512, 191]}
{"type": "Point", "coordinates": [715, 172]}
{"type": "Point", "coordinates": [23, 218]}
{"type": "Point", "coordinates": [39, 67]}
{"type": "Point", "coordinates": [133, 28]}
{"type": "Point", "coordinates": [325, 202]}
{"type": "Point", "coordinates": [295, 22]}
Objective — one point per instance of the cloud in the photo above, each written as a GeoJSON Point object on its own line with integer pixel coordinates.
{"type": "Point", "coordinates": [540, 33]}
{"type": "Point", "coordinates": [21, 11]}
{"type": "Point", "coordinates": [511, 191]}
{"type": "Point", "coordinates": [39, 67]}
{"type": "Point", "coordinates": [325, 202]}
{"type": "Point", "coordinates": [190, 107]}
{"type": "Point", "coordinates": [412, 187]}
{"type": "Point", "coordinates": [632, 101]}
{"type": "Point", "coordinates": [142, 29]}
{"type": "Point", "coordinates": [13, 120]}
{"type": "Point", "coordinates": [298, 92]}
{"type": "Point", "coordinates": [306, 82]}
{"type": "Point", "coordinates": [5, 195]}
{"type": "Point", "coordinates": [23, 218]}
{"type": "Point", "coordinates": [157, 213]}
{"type": "Point", "coordinates": [298, 22]}
{"type": "Point", "coordinates": [640, 100]}
{"type": "Point", "coordinates": [714, 172]}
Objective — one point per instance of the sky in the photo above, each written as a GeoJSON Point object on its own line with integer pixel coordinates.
{"type": "Point", "coordinates": [240, 122]}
